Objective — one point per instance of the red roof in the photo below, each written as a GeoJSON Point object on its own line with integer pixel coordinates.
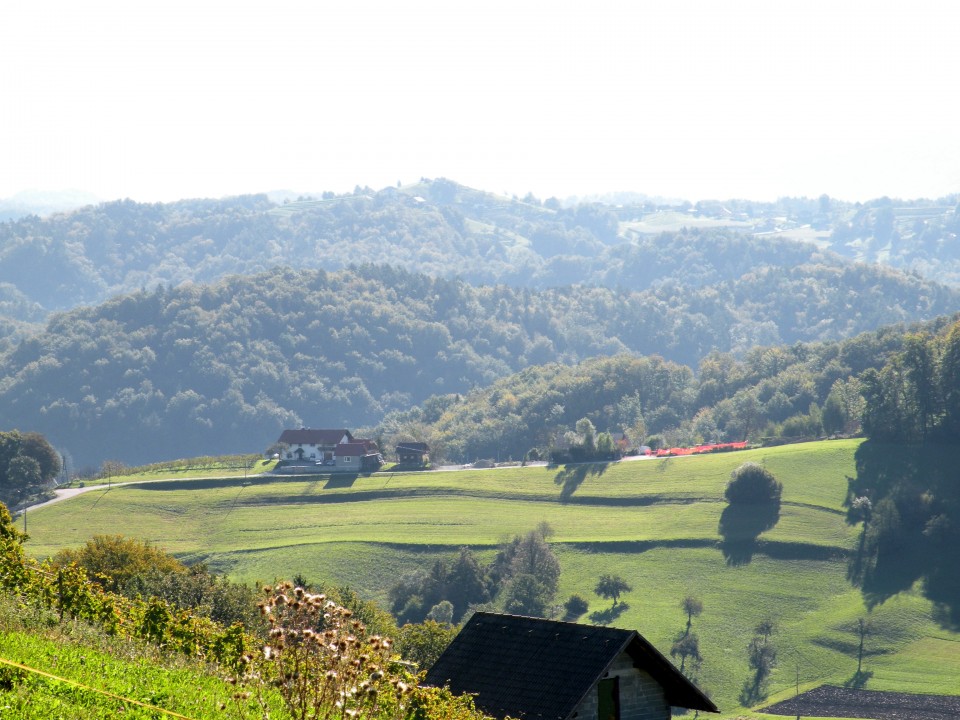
{"type": "Point", "coordinates": [309, 436]}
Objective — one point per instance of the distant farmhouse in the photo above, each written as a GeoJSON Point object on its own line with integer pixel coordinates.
{"type": "Point", "coordinates": [324, 450]}
{"type": "Point", "coordinates": [525, 667]}
{"type": "Point", "coordinates": [413, 453]}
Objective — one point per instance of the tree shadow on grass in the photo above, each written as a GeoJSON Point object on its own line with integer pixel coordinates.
{"type": "Point", "coordinates": [942, 587]}
{"type": "Point", "coordinates": [922, 542]}
{"type": "Point", "coordinates": [859, 679]}
{"type": "Point", "coordinates": [344, 480]}
{"type": "Point", "coordinates": [754, 690]}
{"type": "Point", "coordinates": [894, 571]}
{"type": "Point", "coordinates": [571, 477]}
{"type": "Point", "coordinates": [741, 525]}
{"type": "Point", "coordinates": [605, 617]}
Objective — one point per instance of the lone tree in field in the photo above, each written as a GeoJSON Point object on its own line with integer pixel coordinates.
{"type": "Point", "coordinates": [753, 484]}
{"type": "Point", "coordinates": [692, 607]}
{"type": "Point", "coordinates": [610, 587]}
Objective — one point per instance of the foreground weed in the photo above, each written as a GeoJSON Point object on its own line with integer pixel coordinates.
{"type": "Point", "coordinates": [321, 661]}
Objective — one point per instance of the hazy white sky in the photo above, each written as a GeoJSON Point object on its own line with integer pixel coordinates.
{"type": "Point", "coordinates": [687, 98]}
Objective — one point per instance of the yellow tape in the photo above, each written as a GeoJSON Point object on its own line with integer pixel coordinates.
{"type": "Point", "coordinates": [95, 690]}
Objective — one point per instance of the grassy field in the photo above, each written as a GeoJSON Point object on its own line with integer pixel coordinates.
{"type": "Point", "coordinates": [201, 467]}
{"type": "Point", "coordinates": [661, 524]}
{"type": "Point", "coordinates": [95, 675]}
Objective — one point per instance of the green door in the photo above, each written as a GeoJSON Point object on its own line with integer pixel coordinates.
{"type": "Point", "coordinates": [608, 699]}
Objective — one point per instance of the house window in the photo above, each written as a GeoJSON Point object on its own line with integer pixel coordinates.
{"type": "Point", "coordinates": [347, 459]}
{"type": "Point", "coordinates": [608, 699]}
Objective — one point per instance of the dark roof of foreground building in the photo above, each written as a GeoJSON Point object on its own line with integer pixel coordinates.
{"type": "Point", "coordinates": [533, 668]}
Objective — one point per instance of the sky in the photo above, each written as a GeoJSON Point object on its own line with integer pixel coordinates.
{"type": "Point", "coordinates": [693, 99]}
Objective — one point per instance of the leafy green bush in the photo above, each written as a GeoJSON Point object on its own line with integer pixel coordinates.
{"type": "Point", "coordinates": [424, 642]}
{"type": "Point", "coordinates": [575, 607]}
{"type": "Point", "coordinates": [753, 484]}
{"type": "Point", "coordinates": [114, 560]}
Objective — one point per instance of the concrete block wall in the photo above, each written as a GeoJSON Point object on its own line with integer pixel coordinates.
{"type": "Point", "coordinates": [641, 697]}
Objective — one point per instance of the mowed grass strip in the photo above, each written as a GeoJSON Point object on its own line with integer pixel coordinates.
{"type": "Point", "coordinates": [667, 499]}
{"type": "Point", "coordinates": [214, 520]}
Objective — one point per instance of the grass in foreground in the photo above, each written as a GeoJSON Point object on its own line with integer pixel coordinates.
{"type": "Point", "coordinates": [89, 658]}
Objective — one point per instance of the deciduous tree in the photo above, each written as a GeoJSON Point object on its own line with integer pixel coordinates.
{"type": "Point", "coordinates": [611, 586]}
{"type": "Point", "coordinates": [752, 484]}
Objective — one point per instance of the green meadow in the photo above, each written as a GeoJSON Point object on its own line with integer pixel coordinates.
{"type": "Point", "coordinates": [71, 670]}
{"type": "Point", "coordinates": [660, 524]}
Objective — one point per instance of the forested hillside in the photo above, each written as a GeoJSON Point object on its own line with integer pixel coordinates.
{"type": "Point", "coordinates": [446, 230]}
{"type": "Point", "coordinates": [222, 368]}
{"type": "Point", "coordinates": [223, 321]}
{"type": "Point", "coordinates": [801, 391]}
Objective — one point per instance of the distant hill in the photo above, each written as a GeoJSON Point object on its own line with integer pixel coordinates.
{"type": "Point", "coordinates": [447, 230]}
{"type": "Point", "coordinates": [35, 202]}
{"type": "Point", "coordinates": [221, 368]}
{"type": "Point", "coordinates": [217, 322]}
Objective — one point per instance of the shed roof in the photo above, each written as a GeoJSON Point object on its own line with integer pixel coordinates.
{"type": "Point", "coordinates": [533, 668]}
{"type": "Point", "coordinates": [417, 447]}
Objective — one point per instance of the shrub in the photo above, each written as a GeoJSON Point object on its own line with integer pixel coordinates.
{"type": "Point", "coordinates": [424, 642]}
{"type": "Point", "coordinates": [575, 607]}
{"type": "Point", "coordinates": [752, 484]}
{"type": "Point", "coordinates": [114, 560]}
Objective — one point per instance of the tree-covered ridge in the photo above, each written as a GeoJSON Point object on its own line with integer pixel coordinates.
{"type": "Point", "coordinates": [915, 396]}
{"type": "Point", "coordinates": [799, 391]}
{"type": "Point", "coordinates": [447, 230]}
{"type": "Point", "coordinates": [224, 367]}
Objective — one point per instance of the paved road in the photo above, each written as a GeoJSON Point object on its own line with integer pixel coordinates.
{"type": "Point", "coordinates": [63, 494]}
